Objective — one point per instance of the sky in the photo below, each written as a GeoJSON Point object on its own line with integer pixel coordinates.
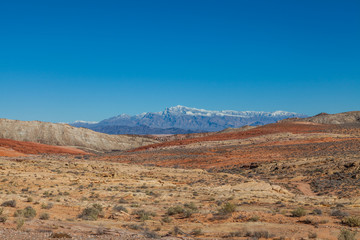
{"type": "Point", "coordinates": [62, 61]}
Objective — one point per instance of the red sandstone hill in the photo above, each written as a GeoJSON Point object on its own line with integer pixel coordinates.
{"type": "Point", "coordinates": [12, 148]}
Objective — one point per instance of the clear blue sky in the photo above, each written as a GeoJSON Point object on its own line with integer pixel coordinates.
{"type": "Point", "coordinates": [67, 60]}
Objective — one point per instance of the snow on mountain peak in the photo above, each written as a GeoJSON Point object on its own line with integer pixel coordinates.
{"type": "Point", "coordinates": [182, 110]}
{"type": "Point", "coordinates": [88, 122]}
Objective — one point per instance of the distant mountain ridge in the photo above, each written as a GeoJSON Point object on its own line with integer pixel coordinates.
{"type": "Point", "coordinates": [181, 119]}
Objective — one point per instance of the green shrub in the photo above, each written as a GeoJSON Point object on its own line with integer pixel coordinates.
{"type": "Point", "coordinates": [28, 212]}
{"type": "Point", "coordinates": [227, 208]}
{"type": "Point", "coordinates": [150, 234]}
{"type": "Point", "coordinates": [312, 235]}
{"type": "Point", "coordinates": [175, 210]}
{"type": "Point", "coordinates": [166, 219]}
{"type": "Point", "coordinates": [346, 235]}
{"type": "Point", "coordinates": [191, 206]}
{"type": "Point", "coordinates": [144, 215]}
{"type": "Point", "coordinates": [3, 219]}
{"type": "Point", "coordinates": [60, 235]}
{"type": "Point", "coordinates": [352, 221]}
{"type": "Point", "coordinates": [196, 232]}
{"type": "Point", "coordinates": [19, 223]}
{"type": "Point", "coordinates": [339, 213]}
{"type": "Point", "coordinates": [47, 206]}
{"type": "Point", "coordinates": [44, 216]}
{"type": "Point", "coordinates": [254, 218]}
{"type": "Point", "coordinates": [187, 210]}
{"type": "Point", "coordinates": [317, 212]}
{"type": "Point", "coordinates": [120, 208]}
{"type": "Point", "coordinates": [92, 213]}
{"type": "Point", "coordinates": [10, 203]}
{"type": "Point", "coordinates": [299, 212]}
{"type": "Point", "coordinates": [259, 234]}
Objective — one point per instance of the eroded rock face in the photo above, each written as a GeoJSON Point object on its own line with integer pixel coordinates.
{"type": "Point", "coordinates": [66, 135]}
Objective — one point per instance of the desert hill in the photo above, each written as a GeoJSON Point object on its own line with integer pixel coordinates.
{"type": "Point", "coordinates": [66, 135]}
{"type": "Point", "coordinates": [12, 148]}
{"type": "Point", "coordinates": [338, 118]}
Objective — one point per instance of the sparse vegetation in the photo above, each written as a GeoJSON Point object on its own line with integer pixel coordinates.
{"type": "Point", "coordinates": [196, 232]}
{"type": "Point", "coordinates": [19, 223]}
{"type": "Point", "coordinates": [47, 206]}
{"type": "Point", "coordinates": [28, 212]}
{"type": "Point", "coordinates": [227, 208]}
{"type": "Point", "coordinates": [44, 216]}
{"type": "Point", "coordinates": [352, 221]}
{"type": "Point", "coordinates": [10, 203]}
{"type": "Point", "coordinates": [346, 235]}
{"type": "Point", "coordinates": [3, 219]}
{"type": "Point", "coordinates": [144, 215]}
{"type": "Point", "coordinates": [339, 213]}
{"type": "Point", "coordinates": [299, 212]}
{"type": "Point", "coordinates": [92, 213]}
{"type": "Point", "coordinates": [120, 208]}
{"type": "Point", "coordinates": [60, 235]}
{"type": "Point", "coordinates": [254, 218]}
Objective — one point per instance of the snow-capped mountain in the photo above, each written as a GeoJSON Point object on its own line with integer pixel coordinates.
{"type": "Point", "coordinates": [181, 119]}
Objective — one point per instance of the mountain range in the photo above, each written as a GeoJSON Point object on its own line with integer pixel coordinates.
{"type": "Point", "coordinates": [183, 120]}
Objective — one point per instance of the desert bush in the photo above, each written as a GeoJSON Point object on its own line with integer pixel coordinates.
{"type": "Point", "coordinates": [60, 235]}
{"type": "Point", "coordinates": [196, 232]}
{"type": "Point", "coordinates": [92, 213]}
{"type": "Point", "coordinates": [10, 203]}
{"type": "Point", "coordinates": [19, 223]}
{"type": "Point", "coordinates": [47, 206]}
{"type": "Point", "coordinates": [150, 234]}
{"type": "Point", "coordinates": [254, 218]}
{"type": "Point", "coordinates": [299, 212]}
{"type": "Point", "coordinates": [144, 215]}
{"type": "Point", "coordinates": [176, 231]}
{"type": "Point", "coordinates": [3, 219]}
{"type": "Point", "coordinates": [28, 212]}
{"type": "Point", "coordinates": [186, 211]}
{"type": "Point", "coordinates": [346, 235]}
{"type": "Point", "coordinates": [121, 200]}
{"type": "Point", "coordinates": [1, 211]}
{"type": "Point", "coordinates": [166, 219]}
{"type": "Point", "coordinates": [258, 234]}
{"type": "Point", "coordinates": [312, 235]}
{"type": "Point", "coordinates": [119, 208]}
{"type": "Point", "coordinates": [133, 226]}
{"type": "Point", "coordinates": [29, 199]}
{"type": "Point", "coordinates": [191, 206]}
{"type": "Point", "coordinates": [317, 212]}
{"type": "Point", "coordinates": [44, 216]}
{"type": "Point", "coordinates": [175, 210]}
{"type": "Point", "coordinates": [227, 208]}
{"type": "Point", "coordinates": [235, 234]}
{"type": "Point", "coordinates": [352, 221]}
{"type": "Point", "coordinates": [338, 213]}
